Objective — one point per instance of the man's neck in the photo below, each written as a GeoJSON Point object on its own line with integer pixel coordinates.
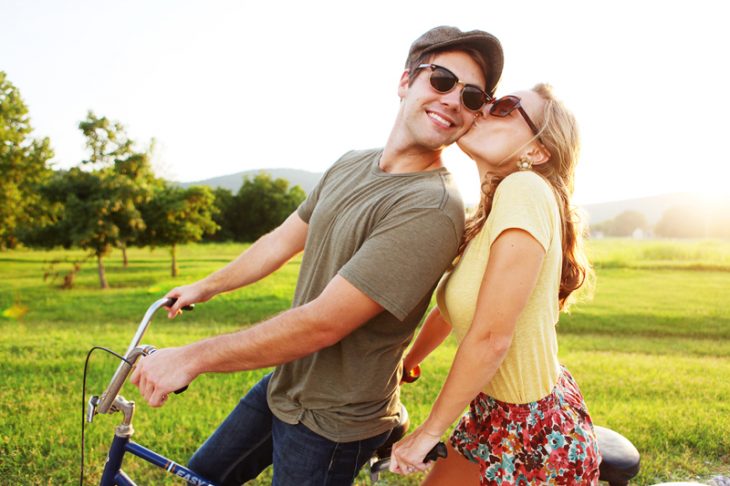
{"type": "Point", "coordinates": [401, 158]}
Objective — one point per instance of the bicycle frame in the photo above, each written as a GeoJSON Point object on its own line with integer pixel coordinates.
{"type": "Point", "coordinates": [111, 402]}
{"type": "Point", "coordinates": [113, 474]}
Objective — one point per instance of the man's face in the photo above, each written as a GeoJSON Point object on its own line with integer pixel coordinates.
{"type": "Point", "coordinates": [433, 120]}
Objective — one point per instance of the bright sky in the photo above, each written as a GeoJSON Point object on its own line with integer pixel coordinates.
{"type": "Point", "coordinates": [226, 86]}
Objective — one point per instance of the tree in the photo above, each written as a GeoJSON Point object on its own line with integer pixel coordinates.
{"type": "Point", "coordinates": [96, 206]}
{"type": "Point", "coordinates": [223, 215]}
{"type": "Point", "coordinates": [176, 216]}
{"type": "Point", "coordinates": [23, 166]}
{"type": "Point", "coordinates": [87, 209]}
{"type": "Point", "coordinates": [627, 222]}
{"type": "Point", "coordinates": [684, 221]}
{"type": "Point", "coordinates": [262, 204]}
{"type": "Point", "coordinates": [719, 216]}
{"type": "Point", "coordinates": [107, 140]}
{"type": "Point", "coordinates": [136, 188]}
{"type": "Point", "coordinates": [623, 225]}
{"type": "Point", "coordinates": [111, 150]}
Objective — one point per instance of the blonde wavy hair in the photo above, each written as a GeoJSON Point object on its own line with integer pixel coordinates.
{"type": "Point", "coordinates": [559, 134]}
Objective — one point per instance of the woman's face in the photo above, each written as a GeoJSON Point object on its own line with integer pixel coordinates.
{"type": "Point", "coordinates": [499, 142]}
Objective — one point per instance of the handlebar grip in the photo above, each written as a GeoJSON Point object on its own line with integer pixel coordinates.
{"type": "Point", "coordinates": [171, 301]}
{"type": "Point", "coordinates": [179, 390]}
{"type": "Point", "coordinates": [439, 450]}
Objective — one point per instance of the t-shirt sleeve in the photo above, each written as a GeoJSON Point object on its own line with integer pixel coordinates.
{"type": "Point", "coordinates": [403, 259]}
{"type": "Point", "coordinates": [441, 297]}
{"type": "Point", "coordinates": [306, 208]}
{"type": "Point", "coordinates": [525, 201]}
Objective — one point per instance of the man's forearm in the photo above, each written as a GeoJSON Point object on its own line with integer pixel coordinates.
{"type": "Point", "coordinates": [339, 310]}
{"type": "Point", "coordinates": [283, 338]}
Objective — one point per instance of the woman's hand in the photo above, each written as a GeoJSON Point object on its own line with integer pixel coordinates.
{"type": "Point", "coordinates": [408, 454]}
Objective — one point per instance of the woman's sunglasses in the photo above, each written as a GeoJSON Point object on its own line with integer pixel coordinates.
{"type": "Point", "coordinates": [505, 105]}
{"type": "Point", "coordinates": [443, 81]}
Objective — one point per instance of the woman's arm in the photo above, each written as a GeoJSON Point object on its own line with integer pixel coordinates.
{"type": "Point", "coordinates": [510, 277]}
{"type": "Point", "coordinates": [432, 333]}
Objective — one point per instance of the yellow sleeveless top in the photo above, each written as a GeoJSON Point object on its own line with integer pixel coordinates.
{"type": "Point", "coordinates": [530, 370]}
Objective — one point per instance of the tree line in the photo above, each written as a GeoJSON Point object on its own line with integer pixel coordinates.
{"type": "Point", "coordinates": [113, 199]}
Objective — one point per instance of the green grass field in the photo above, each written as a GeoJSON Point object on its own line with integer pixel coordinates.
{"type": "Point", "coordinates": [651, 351]}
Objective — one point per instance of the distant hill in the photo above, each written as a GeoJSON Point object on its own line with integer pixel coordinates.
{"type": "Point", "coordinates": [302, 178]}
{"type": "Point", "coordinates": [652, 207]}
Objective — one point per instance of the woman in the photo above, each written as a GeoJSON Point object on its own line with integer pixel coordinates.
{"type": "Point", "coordinates": [520, 260]}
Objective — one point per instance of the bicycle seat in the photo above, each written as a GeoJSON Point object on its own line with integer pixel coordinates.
{"type": "Point", "coordinates": [619, 457]}
{"type": "Point", "coordinates": [396, 434]}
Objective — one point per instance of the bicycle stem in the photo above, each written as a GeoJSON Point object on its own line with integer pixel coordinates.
{"type": "Point", "coordinates": [120, 376]}
{"type": "Point", "coordinates": [134, 351]}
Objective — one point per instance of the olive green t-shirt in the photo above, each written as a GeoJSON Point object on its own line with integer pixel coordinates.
{"type": "Point", "coordinates": [391, 236]}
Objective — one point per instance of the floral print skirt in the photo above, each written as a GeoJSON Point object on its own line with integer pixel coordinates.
{"type": "Point", "coordinates": [550, 441]}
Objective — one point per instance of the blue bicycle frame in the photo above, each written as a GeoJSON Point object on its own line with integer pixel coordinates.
{"type": "Point", "coordinates": [113, 474]}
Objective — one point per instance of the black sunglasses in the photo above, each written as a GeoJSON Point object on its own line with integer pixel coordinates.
{"type": "Point", "coordinates": [506, 105]}
{"type": "Point", "coordinates": [443, 81]}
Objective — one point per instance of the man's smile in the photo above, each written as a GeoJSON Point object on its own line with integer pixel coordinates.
{"type": "Point", "coordinates": [440, 119]}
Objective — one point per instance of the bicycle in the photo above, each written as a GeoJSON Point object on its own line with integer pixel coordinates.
{"type": "Point", "coordinates": [111, 402]}
{"type": "Point", "coordinates": [620, 458]}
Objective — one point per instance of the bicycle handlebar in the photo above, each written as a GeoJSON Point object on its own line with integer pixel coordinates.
{"type": "Point", "coordinates": [439, 450]}
{"type": "Point", "coordinates": [133, 353]}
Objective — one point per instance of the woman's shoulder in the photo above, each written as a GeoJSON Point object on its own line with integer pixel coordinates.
{"type": "Point", "coordinates": [527, 185]}
{"type": "Point", "coordinates": [525, 178]}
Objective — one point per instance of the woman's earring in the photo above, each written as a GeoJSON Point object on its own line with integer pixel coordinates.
{"type": "Point", "coordinates": [524, 163]}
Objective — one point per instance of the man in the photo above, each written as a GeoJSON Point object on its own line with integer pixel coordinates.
{"type": "Point", "coordinates": [377, 233]}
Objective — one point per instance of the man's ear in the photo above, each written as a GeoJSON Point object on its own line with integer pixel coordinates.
{"type": "Point", "coordinates": [403, 84]}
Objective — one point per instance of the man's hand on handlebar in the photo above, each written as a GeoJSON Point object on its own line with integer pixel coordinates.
{"type": "Point", "coordinates": [161, 373]}
{"type": "Point", "coordinates": [185, 296]}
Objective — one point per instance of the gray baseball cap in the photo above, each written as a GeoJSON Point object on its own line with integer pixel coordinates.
{"type": "Point", "coordinates": [444, 38]}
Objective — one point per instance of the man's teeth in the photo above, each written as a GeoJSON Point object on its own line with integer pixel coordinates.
{"type": "Point", "coordinates": [440, 119]}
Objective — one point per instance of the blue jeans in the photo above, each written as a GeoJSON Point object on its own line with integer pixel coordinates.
{"type": "Point", "coordinates": [251, 438]}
